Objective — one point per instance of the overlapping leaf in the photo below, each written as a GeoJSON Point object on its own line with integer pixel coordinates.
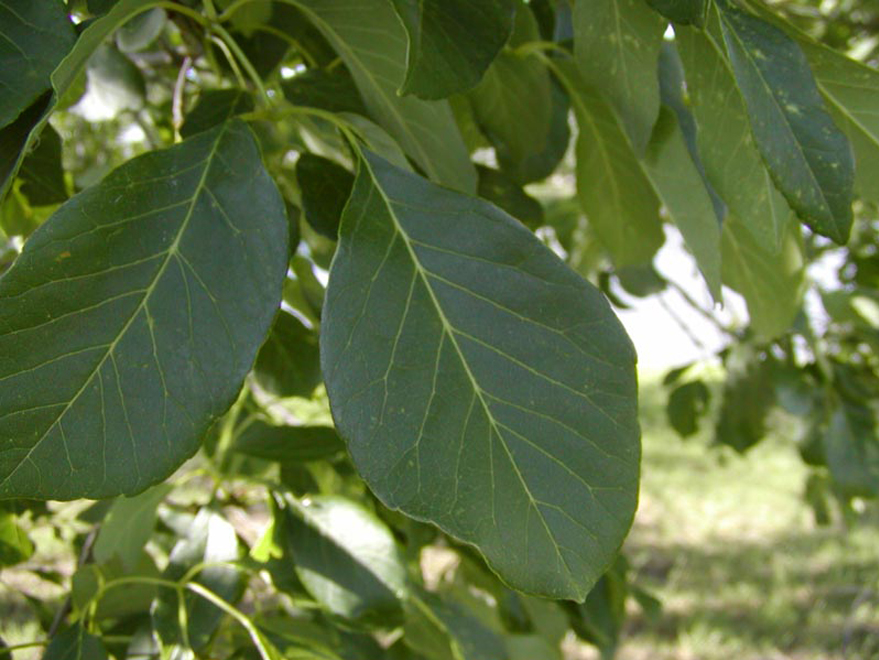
{"type": "Point", "coordinates": [480, 384]}
{"type": "Point", "coordinates": [133, 314]}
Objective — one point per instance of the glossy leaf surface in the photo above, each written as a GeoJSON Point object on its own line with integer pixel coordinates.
{"type": "Point", "coordinates": [451, 43]}
{"type": "Point", "coordinates": [132, 316]}
{"type": "Point", "coordinates": [480, 384]}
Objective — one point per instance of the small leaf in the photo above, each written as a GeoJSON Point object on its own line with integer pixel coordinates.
{"type": "Point", "coordinates": [288, 363]}
{"type": "Point", "coordinates": [127, 527]}
{"type": "Point", "coordinates": [683, 12]}
{"type": "Point", "coordinates": [748, 394]}
{"type": "Point", "coordinates": [425, 129]}
{"type": "Point", "coordinates": [325, 188]}
{"type": "Point", "coordinates": [141, 31]}
{"type": "Point", "coordinates": [442, 629]}
{"type": "Point", "coordinates": [852, 450]}
{"type": "Point", "coordinates": [686, 404]}
{"type": "Point", "coordinates": [452, 42]}
{"type": "Point", "coordinates": [502, 191]}
{"type": "Point", "coordinates": [617, 45]}
{"type": "Point", "coordinates": [809, 158]}
{"type": "Point", "coordinates": [115, 80]}
{"type": "Point", "coordinates": [41, 171]}
{"type": "Point", "coordinates": [210, 540]}
{"type": "Point", "coordinates": [348, 560]}
{"type": "Point", "coordinates": [456, 345]}
{"type": "Point", "coordinates": [15, 546]}
{"type": "Point", "coordinates": [600, 618]}
{"type": "Point", "coordinates": [333, 90]}
{"type": "Point", "coordinates": [214, 107]}
{"type": "Point", "coordinates": [131, 317]}
{"type": "Point", "coordinates": [289, 444]}
{"type": "Point", "coordinates": [75, 644]}
{"type": "Point", "coordinates": [34, 38]}
{"type": "Point", "coordinates": [772, 281]}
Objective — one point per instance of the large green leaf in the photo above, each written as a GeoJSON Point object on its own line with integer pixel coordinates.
{"type": "Point", "coordinates": [612, 187]}
{"type": "Point", "coordinates": [451, 42]}
{"type": "Point", "coordinates": [732, 162]}
{"type": "Point", "coordinates": [34, 38]}
{"type": "Point", "coordinates": [680, 186]}
{"type": "Point", "coordinates": [809, 158]}
{"type": "Point", "coordinates": [772, 281]}
{"type": "Point", "coordinates": [348, 560]}
{"type": "Point", "coordinates": [131, 317]}
{"type": "Point", "coordinates": [127, 527]}
{"type": "Point", "coordinates": [481, 385]}
{"type": "Point", "coordinates": [371, 41]}
{"type": "Point", "coordinates": [616, 43]}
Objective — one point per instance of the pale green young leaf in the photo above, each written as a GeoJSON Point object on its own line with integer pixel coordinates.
{"type": "Point", "coordinates": [131, 317]}
{"type": "Point", "coordinates": [451, 43]}
{"type": "Point", "coordinates": [809, 158]}
{"type": "Point", "coordinates": [616, 44]}
{"type": "Point", "coordinates": [371, 41]}
{"type": "Point", "coordinates": [481, 385]}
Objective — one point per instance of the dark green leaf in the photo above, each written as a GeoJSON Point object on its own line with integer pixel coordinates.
{"type": "Point", "coordinates": [325, 188]}
{"type": "Point", "coordinates": [748, 394]}
{"type": "Point", "coordinates": [684, 12]}
{"type": "Point", "coordinates": [686, 404]}
{"type": "Point", "coordinates": [451, 43]}
{"type": "Point", "coordinates": [518, 130]}
{"type": "Point", "coordinates": [132, 316]}
{"type": "Point", "coordinates": [371, 41]}
{"type": "Point", "coordinates": [852, 450]}
{"type": "Point", "coordinates": [614, 192]}
{"type": "Point", "coordinates": [617, 46]}
{"type": "Point", "coordinates": [678, 183]}
{"type": "Point", "coordinates": [817, 494]}
{"type": "Point", "coordinates": [128, 526]}
{"type": "Point", "coordinates": [599, 620]}
{"type": "Point", "coordinates": [447, 319]}
{"type": "Point", "coordinates": [332, 90]}
{"type": "Point", "coordinates": [15, 546]}
{"type": "Point", "coordinates": [141, 31]}
{"type": "Point", "coordinates": [502, 191]}
{"type": "Point", "coordinates": [34, 38]}
{"type": "Point", "coordinates": [129, 600]}
{"type": "Point", "coordinates": [441, 629]}
{"type": "Point", "coordinates": [641, 281]}
{"type": "Point", "coordinates": [41, 172]}
{"type": "Point", "coordinates": [214, 107]}
{"type": "Point", "coordinates": [809, 158]}
{"type": "Point", "coordinates": [114, 80]}
{"type": "Point", "coordinates": [15, 140]}
{"type": "Point", "coordinates": [348, 560]}
{"type": "Point", "coordinates": [732, 162]}
{"type": "Point", "coordinates": [772, 281]}
{"type": "Point", "coordinates": [288, 364]}
{"type": "Point", "coordinates": [75, 644]}
{"type": "Point", "coordinates": [210, 540]}
{"type": "Point", "coordinates": [289, 444]}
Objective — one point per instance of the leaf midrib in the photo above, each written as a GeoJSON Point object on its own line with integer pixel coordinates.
{"type": "Point", "coordinates": [450, 333]}
{"type": "Point", "coordinates": [172, 251]}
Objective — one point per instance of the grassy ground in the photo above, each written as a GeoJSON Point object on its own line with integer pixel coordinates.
{"type": "Point", "coordinates": [725, 542]}
{"type": "Point", "coordinates": [728, 545]}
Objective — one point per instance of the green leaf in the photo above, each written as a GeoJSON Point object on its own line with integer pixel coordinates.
{"type": "Point", "coordinates": [15, 546]}
{"type": "Point", "coordinates": [682, 12]}
{"type": "Point", "coordinates": [852, 450]}
{"type": "Point", "coordinates": [371, 41]}
{"type": "Point", "coordinates": [34, 38]}
{"type": "Point", "coordinates": [679, 185]}
{"type": "Point", "coordinates": [451, 42]}
{"type": "Point", "coordinates": [41, 171]}
{"type": "Point", "coordinates": [141, 31]}
{"type": "Point", "coordinates": [289, 444]}
{"type": "Point", "coordinates": [616, 44]}
{"type": "Point", "coordinates": [325, 187]}
{"type": "Point", "coordinates": [214, 107]}
{"type": "Point", "coordinates": [133, 599]}
{"type": "Point", "coordinates": [115, 81]}
{"type": "Point", "coordinates": [772, 282]}
{"type": "Point", "coordinates": [686, 404]}
{"type": "Point", "coordinates": [502, 191]}
{"type": "Point", "coordinates": [443, 630]}
{"type": "Point", "coordinates": [348, 560]}
{"type": "Point", "coordinates": [131, 317]}
{"type": "Point", "coordinates": [612, 187]}
{"type": "Point", "coordinates": [518, 130]}
{"type": "Point", "coordinates": [809, 158]}
{"type": "Point", "coordinates": [75, 644]}
{"type": "Point", "coordinates": [600, 618]}
{"type": "Point", "coordinates": [211, 540]}
{"type": "Point", "coordinates": [14, 141]}
{"type": "Point", "coordinates": [748, 394]}
{"type": "Point", "coordinates": [528, 647]}
{"type": "Point", "coordinates": [128, 525]}
{"type": "Point", "coordinates": [732, 162]}
{"type": "Point", "coordinates": [481, 385]}
{"type": "Point", "coordinates": [332, 90]}
{"type": "Point", "coordinates": [288, 363]}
